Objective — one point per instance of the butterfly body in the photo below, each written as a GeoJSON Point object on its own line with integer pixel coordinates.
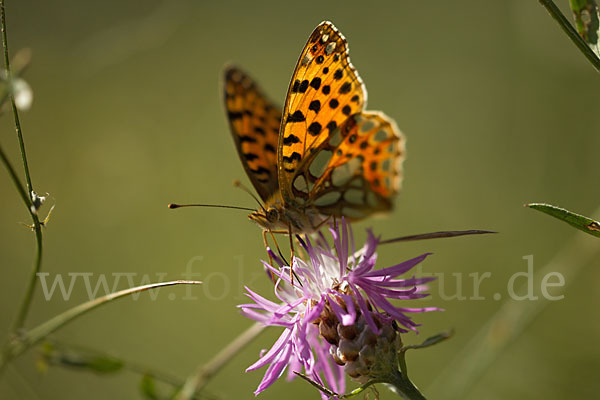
{"type": "Point", "coordinates": [324, 156]}
{"type": "Point", "coordinates": [288, 217]}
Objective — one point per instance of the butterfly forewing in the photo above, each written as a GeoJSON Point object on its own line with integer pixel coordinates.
{"type": "Point", "coordinates": [325, 91]}
{"type": "Point", "coordinates": [255, 123]}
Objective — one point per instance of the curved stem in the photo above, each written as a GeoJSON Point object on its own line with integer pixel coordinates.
{"type": "Point", "coordinates": [511, 320]}
{"type": "Point", "coordinates": [566, 26]}
{"type": "Point", "coordinates": [200, 378]}
{"type": "Point", "coordinates": [14, 177]}
{"type": "Point", "coordinates": [27, 199]}
{"type": "Point", "coordinates": [27, 339]}
{"type": "Point", "coordinates": [12, 99]}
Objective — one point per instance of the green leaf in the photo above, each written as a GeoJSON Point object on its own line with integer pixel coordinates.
{"type": "Point", "coordinates": [580, 222]}
{"type": "Point", "coordinates": [430, 341]}
{"type": "Point", "coordinates": [104, 365]}
{"type": "Point", "coordinates": [587, 23]}
{"type": "Point", "coordinates": [148, 387]}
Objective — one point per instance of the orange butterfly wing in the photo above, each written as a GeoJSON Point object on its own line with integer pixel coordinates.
{"type": "Point", "coordinates": [363, 171]}
{"type": "Point", "coordinates": [325, 90]}
{"type": "Point", "coordinates": [254, 123]}
{"type": "Point", "coordinates": [333, 155]}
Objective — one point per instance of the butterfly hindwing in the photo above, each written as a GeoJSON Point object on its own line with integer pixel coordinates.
{"type": "Point", "coordinates": [357, 171]}
{"type": "Point", "coordinates": [254, 123]}
{"type": "Point", "coordinates": [325, 91]}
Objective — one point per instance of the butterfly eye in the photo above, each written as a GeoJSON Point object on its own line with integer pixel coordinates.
{"type": "Point", "coordinates": [272, 214]}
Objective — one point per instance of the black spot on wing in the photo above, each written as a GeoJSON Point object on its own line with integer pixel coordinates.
{"type": "Point", "coordinates": [260, 170]}
{"type": "Point", "coordinates": [296, 86]}
{"type": "Point", "coordinates": [315, 106]}
{"type": "Point", "coordinates": [250, 156]}
{"type": "Point", "coordinates": [303, 86]}
{"type": "Point", "coordinates": [315, 128]}
{"type": "Point", "coordinates": [248, 139]}
{"type": "Point", "coordinates": [290, 139]}
{"type": "Point", "coordinates": [233, 115]}
{"type": "Point", "coordinates": [315, 83]}
{"type": "Point", "coordinates": [297, 116]}
{"type": "Point", "coordinates": [294, 156]}
{"type": "Point", "coordinates": [345, 88]}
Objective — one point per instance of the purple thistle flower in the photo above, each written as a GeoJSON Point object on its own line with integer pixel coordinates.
{"type": "Point", "coordinates": [331, 290]}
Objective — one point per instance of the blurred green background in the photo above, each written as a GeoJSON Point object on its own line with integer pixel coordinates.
{"type": "Point", "coordinates": [498, 107]}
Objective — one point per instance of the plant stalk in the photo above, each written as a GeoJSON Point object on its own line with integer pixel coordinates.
{"type": "Point", "coordinates": [200, 378]}
{"type": "Point", "coordinates": [566, 26]}
{"type": "Point", "coordinates": [404, 387]}
{"type": "Point", "coordinates": [27, 198]}
{"type": "Point", "coordinates": [27, 339]}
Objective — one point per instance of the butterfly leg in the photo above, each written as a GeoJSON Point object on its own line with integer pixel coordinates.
{"type": "Point", "coordinates": [277, 245]}
{"type": "Point", "coordinates": [292, 250]}
{"type": "Point", "coordinates": [320, 225]}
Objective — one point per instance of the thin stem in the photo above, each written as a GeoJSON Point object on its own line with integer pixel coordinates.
{"type": "Point", "coordinates": [27, 339]}
{"type": "Point", "coordinates": [12, 99]}
{"type": "Point", "coordinates": [14, 178]}
{"type": "Point", "coordinates": [571, 33]}
{"type": "Point", "coordinates": [28, 297]}
{"type": "Point", "coordinates": [200, 378]}
{"type": "Point", "coordinates": [513, 318]}
{"type": "Point", "coordinates": [26, 302]}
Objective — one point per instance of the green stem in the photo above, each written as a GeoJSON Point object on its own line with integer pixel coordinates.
{"type": "Point", "coordinates": [14, 178]}
{"type": "Point", "coordinates": [404, 387]}
{"type": "Point", "coordinates": [12, 98]}
{"type": "Point", "coordinates": [571, 33]}
{"type": "Point", "coordinates": [507, 324]}
{"type": "Point", "coordinates": [200, 378]}
{"type": "Point", "coordinates": [26, 302]}
{"type": "Point", "coordinates": [27, 339]}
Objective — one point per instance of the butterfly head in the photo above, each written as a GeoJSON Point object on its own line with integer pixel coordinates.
{"type": "Point", "coordinates": [269, 217]}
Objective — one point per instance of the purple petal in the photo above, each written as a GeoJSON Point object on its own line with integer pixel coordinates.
{"type": "Point", "coordinates": [275, 350]}
{"type": "Point", "coordinates": [275, 370]}
{"type": "Point", "coordinates": [275, 257]}
{"type": "Point", "coordinates": [365, 310]}
{"type": "Point", "coordinates": [342, 315]}
{"type": "Point", "coordinates": [397, 269]}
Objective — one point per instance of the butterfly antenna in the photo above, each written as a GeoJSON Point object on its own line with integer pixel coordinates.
{"type": "Point", "coordinates": [238, 184]}
{"type": "Point", "coordinates": [173, 206]}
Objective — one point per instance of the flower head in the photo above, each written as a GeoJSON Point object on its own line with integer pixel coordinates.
{"type": "Point", "coordinates": [334, 296]}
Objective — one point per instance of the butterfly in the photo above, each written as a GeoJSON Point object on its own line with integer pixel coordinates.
{"type": "Point", "coordinates": [324, 156]}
